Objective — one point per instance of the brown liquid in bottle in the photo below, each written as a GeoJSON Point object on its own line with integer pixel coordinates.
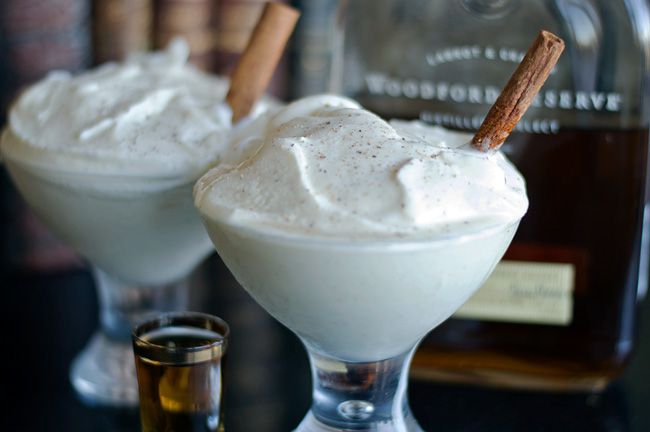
{"type": "Point", "coordinates": [587, 196]}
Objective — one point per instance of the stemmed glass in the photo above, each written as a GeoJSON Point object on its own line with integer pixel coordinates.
{"type": "Point", "coordinates": [143, 238]}
{"type": "Point", "coordinates": [360, 308]}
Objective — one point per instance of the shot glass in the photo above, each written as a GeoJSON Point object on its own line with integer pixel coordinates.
{"type": "Point", "coordinates": [179, 359]}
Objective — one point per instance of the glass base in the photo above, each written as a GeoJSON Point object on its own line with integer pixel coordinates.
{"type": "Point", "coordinates": [407, 424]}
{"type": "Point", "coordinates": [104, 373]}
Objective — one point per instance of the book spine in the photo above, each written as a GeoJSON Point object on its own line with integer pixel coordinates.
{"type": "Point", "coordinates": [121, 27]}
{"type": "Point", "coordinates": [192, 20]}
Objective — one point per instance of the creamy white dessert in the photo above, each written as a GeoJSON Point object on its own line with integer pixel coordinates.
{"type": "Point", "coordinates": [108, 158]}
{"type": "Point", "coordinates": [358, 234]}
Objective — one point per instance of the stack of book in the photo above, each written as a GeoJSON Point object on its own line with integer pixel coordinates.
{"type": "Point", "coordinates": [216, 30]}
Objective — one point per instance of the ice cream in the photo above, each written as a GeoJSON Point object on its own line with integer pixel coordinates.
{"type": "Point", "coordinates": [108, 158]}
{"type": "Point", "coordinates": [358, 234]}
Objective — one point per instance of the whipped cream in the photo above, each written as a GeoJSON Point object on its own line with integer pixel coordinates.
{"type": "Point", "coordinates": [324, 167]}
{"type": "Point", "coordinates": [107, 160]}
{"type": "Point", "coordinates": [153, 115]}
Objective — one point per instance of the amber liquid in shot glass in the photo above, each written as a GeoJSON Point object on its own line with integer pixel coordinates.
{"type": "Point", "coordinates": [179, 361]}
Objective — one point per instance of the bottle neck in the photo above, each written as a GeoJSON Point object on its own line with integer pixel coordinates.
{"type": "Point", "coordinates": [490, 9]}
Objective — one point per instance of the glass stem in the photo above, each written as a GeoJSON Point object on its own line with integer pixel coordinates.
{"type": "Point", "coordinates": [360, 396]}
{"type": "Point", "coordinates": [104, 372]}
{"type": "Point", "coordinates": [122, 305]}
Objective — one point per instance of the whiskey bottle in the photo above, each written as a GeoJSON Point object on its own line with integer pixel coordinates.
{"type": "Point", "coordinates": [560, 310]}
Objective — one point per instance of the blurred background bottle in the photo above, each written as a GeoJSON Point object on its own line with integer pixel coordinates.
{"type": "Point", "coordinates": [560, 310]}
{"type": "Point", "coordinates": [313, 48]}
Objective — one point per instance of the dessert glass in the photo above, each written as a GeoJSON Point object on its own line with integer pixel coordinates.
{"type": "Point", "coordinates": [143, 238]}
{"type": "Point", "coordinates": [360, 308]}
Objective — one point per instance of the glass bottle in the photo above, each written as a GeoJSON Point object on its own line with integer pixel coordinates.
{"type": "Point", "coordinates": [560, 311]}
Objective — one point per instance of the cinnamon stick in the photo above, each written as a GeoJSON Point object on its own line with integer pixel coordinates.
{"type": "Point", "coordinates": [518, 94]}
{"type": "Point", "coordinates": [256, 65]}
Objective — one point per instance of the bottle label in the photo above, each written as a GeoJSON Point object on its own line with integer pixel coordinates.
{"type": "Point", "coordinates": [442, 87]}
{"type": "Point", "coordinates": [525, 292]}
{"type": "Point", "coordinates": [380, 84]}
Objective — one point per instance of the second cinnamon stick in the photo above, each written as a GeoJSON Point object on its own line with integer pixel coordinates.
{"type": "Point", "coordinates": [257, 64]}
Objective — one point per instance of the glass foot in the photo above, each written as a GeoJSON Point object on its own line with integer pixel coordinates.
{"type": "Point", "coordinates": [104, 373]}
{"type": "Point", "coordinates": [310, 424]}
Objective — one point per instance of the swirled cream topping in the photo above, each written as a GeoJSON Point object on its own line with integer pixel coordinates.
{"type": "Point", "coordinates": [325, 167]}
{"type": "Point", "coordinates": [153, 115]}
